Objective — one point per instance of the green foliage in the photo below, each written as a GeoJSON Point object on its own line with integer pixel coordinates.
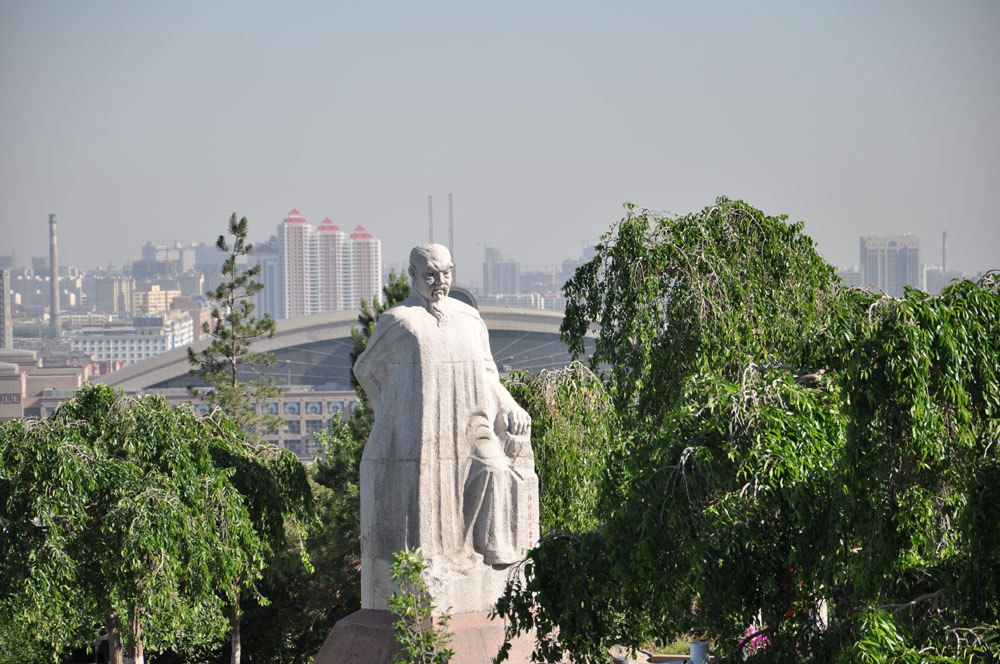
{"type": "Point", "coordinates": [572, 433]}
{"type": "Point", "coordinates": [124, 510]}
{"type": "Point", "coordinates": [706, 292]}
{"type": "Point", "coordinates": [233, 328]}
{"type": "Point", "coordinates": [20, 643]}
{"type": "Point", "coordinates": [422, 637]}
{"type": "Point", "coordinates": [303, 605]}
{"type": "Point", "coordinates": [837, 452]}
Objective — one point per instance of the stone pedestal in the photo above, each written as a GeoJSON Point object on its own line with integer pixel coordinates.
{"type": "Point", "coordinates": [366, 637]}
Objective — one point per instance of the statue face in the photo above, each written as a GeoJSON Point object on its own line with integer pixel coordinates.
{"type": "Point", "coordinates": [431, 275]}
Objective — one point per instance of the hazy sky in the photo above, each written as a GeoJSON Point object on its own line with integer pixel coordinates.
{"type": "Point", "coordinates": [138, 121]}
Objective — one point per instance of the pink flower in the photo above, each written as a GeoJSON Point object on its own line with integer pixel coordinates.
{"type": "Point", "coordinates": [754, 640]}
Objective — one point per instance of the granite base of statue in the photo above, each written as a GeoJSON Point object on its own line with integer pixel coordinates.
{"type": "Point", "coordinates": [448, 468]}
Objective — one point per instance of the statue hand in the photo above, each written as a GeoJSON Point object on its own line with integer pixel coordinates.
{"type": "Point", "coordinates": [517, 420]}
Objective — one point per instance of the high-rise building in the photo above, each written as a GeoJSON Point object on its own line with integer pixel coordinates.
{"type": "Point", "coordinates": [936, 278]}
{"type": "Point", "coordinates": [155, 253]}
{"type": "Point", "coordinates": [335, 261]}
{"type": "Point", "coordinates": [191, 283]}
{"type": "Point", "coordinates": [6, 322]}
{"type": "Point", "coordinates": [268, 301]}
{"type": "Point", "coordinates": [198, 309]}
{"type": "Point", "coordinates": [113, 295]}
{"type": "Point", "coordinates": [162, 258]}
{"type": "Point", "coordinates": [323, 269]}
{"type": "Point", "coordinates": [152, 301]}
{"type": "Point", "coordinates": [500, 277]}
{"type": "Point", "coordinates": [891, 262]}
{"type": "Point", "coordinates": [297, 247]}
{"type": "Point", "coordinates": [850, 276]}
{"type": "Point", "coordinates": [366, 271]}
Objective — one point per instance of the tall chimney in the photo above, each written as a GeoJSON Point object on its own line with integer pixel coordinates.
{"type": "Point", "coordinates": [430, 219]}
{"type": "Point", "coordinates": [944, 252]}
{"type": "Point", "coordinates": [55, 320]}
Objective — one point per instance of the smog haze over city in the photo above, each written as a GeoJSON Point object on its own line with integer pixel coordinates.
{"type": "Point", "coordinates": [137, 122]}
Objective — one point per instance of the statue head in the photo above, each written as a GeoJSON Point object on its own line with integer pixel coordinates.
{"type": "Point", "coordinates": [430, 271]}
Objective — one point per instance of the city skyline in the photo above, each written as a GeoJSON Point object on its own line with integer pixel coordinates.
{"type": "Point", "coordinates": [156, 122]}
{"type": "Point", "coordinates": [930, 253]}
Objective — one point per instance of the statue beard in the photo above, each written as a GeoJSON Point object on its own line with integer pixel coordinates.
{"type": "Point", "coordinates": [436, 308]}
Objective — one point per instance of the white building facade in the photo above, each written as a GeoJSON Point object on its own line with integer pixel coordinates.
{"type": "Point", "coordinates": [146, 337]}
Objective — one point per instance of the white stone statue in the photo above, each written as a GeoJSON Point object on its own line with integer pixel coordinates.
{"type": "Point", "coordinates": [448, 466]}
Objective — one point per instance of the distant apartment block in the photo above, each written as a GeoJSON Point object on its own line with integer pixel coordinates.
{"type": "Point", "coordinates": [191, 283]}
{"type": "Point", "coordinates": [197, 308]}
{"type": "Point", "coordinates": [300, 278]}
{"type": "Point", "coordinates": [113, 295]}
{"type": "Point", "coordinates": [6, 311]}
{"type": "Point", "coordinates": [366, 268]}
{"type": "Point", "coordinates": [935, 278]}
{"type": "Point", "coordinates": [500, 277]}
{"type": "Point", "coordinates": [169, 258]}
{"type": "Point", "coordinates": [850, 276]}
{"type": "Point", "coordinates": [335, 264]}
{"type": "Point", "coordinates": [146, 337]}
{"type": "Point", "coordinates": [324, 270]}
{"type": "Point", "coordinates": [153, 301]}
{"type": "Point", "coordinates": [268, 301]}
{"type": "Point", "coordinates": [32, 291]}
{"type": "Point", "coordinates": [891, 262]}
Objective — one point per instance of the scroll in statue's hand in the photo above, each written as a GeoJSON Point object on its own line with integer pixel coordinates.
{"type": "Point", "coordinates": [517, 421]}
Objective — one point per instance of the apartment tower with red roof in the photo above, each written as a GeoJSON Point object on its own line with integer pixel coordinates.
{"type": "Point", "coordinates": [323, 269]}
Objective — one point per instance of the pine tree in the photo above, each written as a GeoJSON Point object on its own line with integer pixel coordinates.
{"type": "Point", "coordinates": [233, 328]}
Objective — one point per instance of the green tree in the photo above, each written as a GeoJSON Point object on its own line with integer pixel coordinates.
{"type": "Point", "coordinates": [788, 447]}
{"type": "Point", "coordinates": [706, 292]}
{"type": "Point", "coordinates": [233, 328]}
{"type": "Point", "coordinates": [117, 516]}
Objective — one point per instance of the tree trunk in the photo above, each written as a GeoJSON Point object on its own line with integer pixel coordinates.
{"type": "Point", "coordinates": [234, 622]}
{"type": "Point", "coordinates": [136, 628]}
{"type": "Point", "coordinates": [114, 637]}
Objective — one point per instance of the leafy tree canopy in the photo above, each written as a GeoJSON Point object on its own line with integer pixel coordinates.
{"type": "Point", "coordinates": [125, 515]}
{"type": "Point", "coordinates": [706, 292]}
{"type": "Point", "coordinates": [815, 464]}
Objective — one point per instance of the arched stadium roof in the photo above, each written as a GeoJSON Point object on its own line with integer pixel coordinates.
{"type": "Point", "coordinates": [314, 351]}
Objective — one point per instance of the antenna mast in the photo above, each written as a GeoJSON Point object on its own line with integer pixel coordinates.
{"type": "Point", "coordinates": [451, 236]}
{"type": "Point", "coordinates": [430, 219]}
